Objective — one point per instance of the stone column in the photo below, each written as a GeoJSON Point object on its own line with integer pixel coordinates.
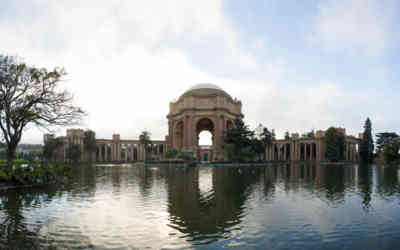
{"type": "Point", "coordinates": [291, 151]}
{"type": "Point", "coordinates": [185, 132]}
{"type": "Point", "coordinates": [115, 152]}
{"type": "Point", "coordinates": [217, 125]}
{"type": "Point", "coordinates": [321, 150]}
{"type": "Point", "coordinates": [100, 158]}
{"type": "Point", "coordinates": [299, 151]}
{"type": "Point", "coordinates": [222, 131]}
{"type": "Point", "coordinates": [119, 152]}
{"type": "Point", "coordinates": [284, 151]}
{"type": "Point", "coordinates": [190, 133]}
{"type": "Point", "coordinates": [110, 149]}
{"type": "Point", "coordinates": [269, 153]}
{"type": "Point", "coordinates": [170, 133]}
{"type": "Point", "coordinates": [306, 151]}
{"type": "Point", "coordinates": [105, 152]}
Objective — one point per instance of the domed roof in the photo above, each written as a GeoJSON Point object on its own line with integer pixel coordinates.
{"type": "Point", "coordinates": [204, 86]}
{"type": "Point", "coordinates": [196, 88]}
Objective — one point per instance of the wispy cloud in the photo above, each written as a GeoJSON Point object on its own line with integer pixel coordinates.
{"type": "Point", "coordinates": [353, 26]}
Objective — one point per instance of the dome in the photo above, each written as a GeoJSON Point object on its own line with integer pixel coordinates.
{"type": "Point", "coordinates": [204, 86]}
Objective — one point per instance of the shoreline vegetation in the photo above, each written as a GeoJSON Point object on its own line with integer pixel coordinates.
{"type": "Point", "coordinates": [25, 174]}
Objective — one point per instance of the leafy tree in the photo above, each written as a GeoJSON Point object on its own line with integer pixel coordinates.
{"type": "Point", "coordinates": [171, 153]}
{"type": "Point", "coordinates": [383, 139]}
{"type": "Point", "coordinates": [287, 136]}
{"type": "Point", "coordinates": [334, 142]}
{"type": "Point", "coordinates": [186, 156]}
{"type": "Point", "coordinates": [265, 138]}
{"type": "Point", "coordinates": [3, 153]}
{"type": "Point", "coordinates": [239, 136]}
{"type": "Point", "coordinates": [73, 152]}
{"type": "Point", "coordinates": [391, 151]}
{"type": "Point", "coordinates": [367, 143]}
{"type": "Point", "coordinates": [50, 147]}
{"type": "Point", "coordinates": [144, 139]}
{"type": "Point", "coordinates": [257, 147]}
{"type": "Point", "coordinates": [309, 135]}
{"type": "Point", "coordinates": [89, 142]}
{"type": "Point", "coordinates": [30, 96]}
{"type": "Point", "coordinates": [229, 151]}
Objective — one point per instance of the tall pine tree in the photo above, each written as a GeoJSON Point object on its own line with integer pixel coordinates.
{"type": "Point", "coordinates": [367, 143]}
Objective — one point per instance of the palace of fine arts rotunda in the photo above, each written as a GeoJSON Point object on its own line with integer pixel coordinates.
{"type": "Point", "coordinates": [203, 107]}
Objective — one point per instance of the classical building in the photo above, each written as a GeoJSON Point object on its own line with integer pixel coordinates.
{"type": "Point", "coordinates": [203, 107]}
{"type": "Point", "coordinates": [108, 150]}
{"type": "Point", "coordinates": [310, 149]}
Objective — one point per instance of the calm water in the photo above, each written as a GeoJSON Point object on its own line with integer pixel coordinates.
{"type": "Point", "coordinates": [274, 207]}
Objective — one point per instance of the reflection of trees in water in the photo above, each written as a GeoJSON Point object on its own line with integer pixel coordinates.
{"type": "Point", "coordinates": [270, 177]}
{"type": "Point", "coordinates": [328, 182]}
{"type": "Point", "coordinates": [15, 228]}
{"type": "Point", "coordinates": [388, 181]}
{"type": "Point", "coordinates": [84, 177]}
{"type": "Point", "coordinates": [208, 216]}
{"type": "Point", "coordinates": [146, 177]}
{"type": "Point", "coordinates": [365, 184]}
{"type": "Point", "coordinates": [334, 183]}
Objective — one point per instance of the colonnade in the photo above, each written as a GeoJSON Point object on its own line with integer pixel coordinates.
{"type": "Point", "coordinates": [307, 150]}
{"type": "Point", "coordinates": [111, 151]}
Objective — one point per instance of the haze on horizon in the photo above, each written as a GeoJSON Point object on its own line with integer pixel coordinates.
{"type": "Point", "coordinates": [295, 66]}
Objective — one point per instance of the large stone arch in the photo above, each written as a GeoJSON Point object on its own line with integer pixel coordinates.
{"type": "Point", "coordinates": [201, 103]}
{"type": "Point", "coordinates": [178, 134]}
{"type": "Point", "coordinates": [199, 126]}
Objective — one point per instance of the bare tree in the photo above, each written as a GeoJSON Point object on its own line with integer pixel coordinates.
{"type": "Point", "coordinates": [32, 96]}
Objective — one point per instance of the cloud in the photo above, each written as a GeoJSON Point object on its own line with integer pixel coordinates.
{"type": "Point", "coordinates": [126, 60]}
{"type": "Point", "coordinates": [353, 26]}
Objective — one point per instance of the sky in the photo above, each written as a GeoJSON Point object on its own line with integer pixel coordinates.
{"type": "Point", "coordinates": [295, 65]}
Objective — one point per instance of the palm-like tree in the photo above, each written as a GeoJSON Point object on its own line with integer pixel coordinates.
{"type": "Point", "coordinates": [144, 139]}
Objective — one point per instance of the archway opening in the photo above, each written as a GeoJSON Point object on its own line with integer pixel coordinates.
{"type": "Point", "coordinates": [205, 138]}
{"type": "Point", "coordinates": [205, 132]}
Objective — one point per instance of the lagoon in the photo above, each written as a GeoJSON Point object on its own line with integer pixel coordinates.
{"type": "Point", "coordinates": [282, 206]}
